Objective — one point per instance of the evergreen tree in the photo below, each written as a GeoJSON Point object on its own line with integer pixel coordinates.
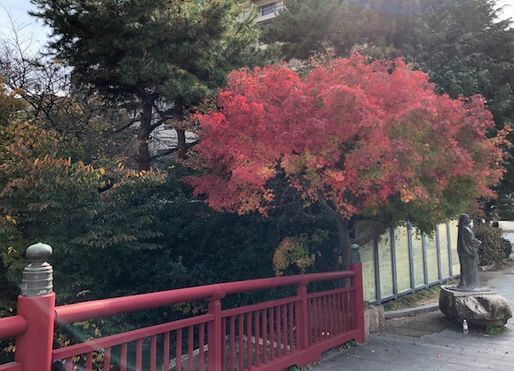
{"type": "Point", "coordinates": [160, 57]}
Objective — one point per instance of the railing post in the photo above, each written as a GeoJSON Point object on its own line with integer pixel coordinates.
{"type": "Point", "coordinates": [36, 304]}
{"type": "Point", "coordinates": [358, 295]}
{"type": "Point", "coordinates": [215, 333]}
{"type": "Point", "coordinates": [302, 317]}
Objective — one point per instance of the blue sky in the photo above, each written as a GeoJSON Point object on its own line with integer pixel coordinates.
{"type": "Point", "coordinates": [38, 33]}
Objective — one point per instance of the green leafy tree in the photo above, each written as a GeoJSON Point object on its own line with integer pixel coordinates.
{"type": "Point", "coordinates": [462, 44]}
{"type": "Point", "coordinates": [158, 58]}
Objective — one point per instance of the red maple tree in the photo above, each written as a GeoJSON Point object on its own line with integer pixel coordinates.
{"type": "Point", "coordinates": [361, 139]}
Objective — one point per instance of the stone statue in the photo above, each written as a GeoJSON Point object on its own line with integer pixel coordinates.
{"type": "Point", "coordinates": [467, 248]}
{"type": "Point", "coordinates": [467, 301]}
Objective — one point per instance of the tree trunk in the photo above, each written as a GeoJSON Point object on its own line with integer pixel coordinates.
{"type": "Point", "coordinates": [182, 145]}
{"type": "Point", "coordinates": [144, 160]}
{"type": "Point", "coordinates": [345, 242]}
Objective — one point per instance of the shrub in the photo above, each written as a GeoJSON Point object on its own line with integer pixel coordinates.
{"type": "Point", "coordinates": [492, 250]}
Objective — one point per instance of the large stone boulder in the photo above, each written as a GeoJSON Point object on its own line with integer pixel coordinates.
{"type": "Point", "coordinates": [479, 308]}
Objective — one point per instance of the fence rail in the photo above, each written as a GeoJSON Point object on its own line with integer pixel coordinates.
{"type": "Point", "coordinates": [269, 335]}
{"type": "Point", "coordinates": [404, 260]}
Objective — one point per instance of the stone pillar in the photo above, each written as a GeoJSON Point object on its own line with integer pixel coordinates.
{"type": "Point", "coordinates": [36, 304]}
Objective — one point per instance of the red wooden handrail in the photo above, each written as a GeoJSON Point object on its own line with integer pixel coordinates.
{"type": "Point", "coordinates": [12, 326]}
{"type": "Point", "coordinates": [118, 339]}
{"type": "Point", "coordinates": [107, 307]}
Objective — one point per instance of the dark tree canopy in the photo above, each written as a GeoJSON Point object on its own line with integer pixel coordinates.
{"type": "Point", "coordinates": [161, 56]}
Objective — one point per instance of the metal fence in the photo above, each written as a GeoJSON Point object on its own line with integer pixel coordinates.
{"type": "Point", "coordinates": [403, 260]}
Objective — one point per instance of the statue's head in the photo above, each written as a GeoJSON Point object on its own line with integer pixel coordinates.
{"type": "Point", "coordinates": [464, 220]}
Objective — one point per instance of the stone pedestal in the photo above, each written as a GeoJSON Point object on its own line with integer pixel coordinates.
{"type": "Point", "coordinates": [479, 308]}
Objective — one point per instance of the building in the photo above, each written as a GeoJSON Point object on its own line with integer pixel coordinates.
{"type": "Point", "coordinates": [267, 9]}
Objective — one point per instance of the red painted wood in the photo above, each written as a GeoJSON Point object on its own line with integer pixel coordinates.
{"type": "Point", "coordinates": [223, 340]}
{"type": "Point", "coordinates": [89, 362]}
{"type": "Point", "coordinates": [240, 350]}
{"type": "Point", "coordinates": [232, 341]}
{"type": "Point", "coordinates": [12, 326]}
{"type": "Point", "coordinates": [214, 335]}
{"type": "Point", "coordinates": [272, 333]}
{"type": "Point", "coordinates": [107, 359]}
{"type": "Point", "coordinates": [264, 336]}
{"type": "Point", "coordinates": [69, 364]}
{"type": "Point", "coordinates": [190, 348]}
{"type": "Point", "coordinates": [108, 307]}
{"type": "Point", "coordinates": [201, 344]}
{"type": "Point", "coordinates": [123, 358]}
{"type": "Point", "coordinates": [291, 330]}
{"type": "Point", "coordinates": [285, 332]}
{"type": "Point", "coordinates": [257, 337]}
{"type": "Point", "coordinates": [249, 341]}
{"type": "Point", "coordinates": [166, 352]}
{"type": "Point", "coordinates": [153, 353]}
{"type": "Point", "coordinates": [296, 328]}
{"type": "Point", "coordinates": [139, 355]}
{"type": "Point", "coordinates": [126, 337]}
{"type": "Point", "coordinates": [34, 345]}
{"type": "Point", "coordinates": [358, 302]}
{"type": "Point", "coordinates": [302, 314]}
{"type": "Point", "coordinates": [178, 350]}
{"type": "Point", "coordinates": [12, 366]}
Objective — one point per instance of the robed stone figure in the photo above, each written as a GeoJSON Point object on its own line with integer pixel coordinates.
{"type": "Point", "coordinates": [467, 248]}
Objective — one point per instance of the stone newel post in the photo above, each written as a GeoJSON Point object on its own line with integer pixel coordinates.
{"type": "Point", "coordinates": [36, 304]}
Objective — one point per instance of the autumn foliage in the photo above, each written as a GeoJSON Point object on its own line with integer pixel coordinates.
{"type": "Point", "coordinates": [360, 136]}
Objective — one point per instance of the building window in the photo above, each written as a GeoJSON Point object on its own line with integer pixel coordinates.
{"type": "Point", "coordinates": [271, 8]}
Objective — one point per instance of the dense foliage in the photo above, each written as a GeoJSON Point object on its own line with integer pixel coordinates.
{"type": "Point", "coordinates": [493, 249]}
{"type": "Point", "coordinates": [157, 59]}
{"type": "Point", "coordinates": [360, 138]}
{"type": "Point", "coordinates": [462, 44]}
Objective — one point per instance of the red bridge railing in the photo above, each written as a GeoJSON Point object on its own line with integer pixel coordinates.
{"type": "Point", "coordinates": [270, 335]}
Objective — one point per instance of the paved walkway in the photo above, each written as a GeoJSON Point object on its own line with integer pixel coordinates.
{"type": "Point", "coordinates": [429, 342]}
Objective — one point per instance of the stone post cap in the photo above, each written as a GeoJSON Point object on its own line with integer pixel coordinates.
{"type": "Point", "coordinates": [38, 275]}
{"type": "Point", "coordinates": [38, 252]}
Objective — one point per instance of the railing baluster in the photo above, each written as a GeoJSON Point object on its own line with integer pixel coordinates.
{"type": "Point", "coordinates": [279, 330]}
{"type": "Point", "coordinates": [232, 336]}
{"type": "Point", "coordinates": [107, 359]}
{"type": "Point", "coordinates": [249, 340]}
{"type": "Point", "coordinates": [285, 332]}
{"type": "Point", "coordinates": [272, 333]}
{"type": "Point", "coordinates": [89, 362]}
{"type": "Point", "coordinates": [123, 357]}
{"type": "Point", "coordinates": [223, 342]}
{"type": "Point", "coordinates": [264, 336]}
{"type": "Point", "coordinates": [139, 355]}
{"type": "Point", "coordinates": [337, 300]}
{"type": "Point", "coordinates": [240, 350]}
{"type": "Point", "coordinates": [178, 350]}
{"type": "Point", "coordinates": [257, 337]}
{"type": "Point", "coordinates": [166, 352]}
{"type": "Point", "coordinates": [190, 348]}
{"type": "Point", "coordinates": [69, 364]}
{"type": "Point", "coordinates": [153, 353]}
{"type": "Point", "coordinates": [201, 345]}
{"type": "Point", "coordinates": [330, 303]}
{"type": "Point", "coordinates": [291, 331]}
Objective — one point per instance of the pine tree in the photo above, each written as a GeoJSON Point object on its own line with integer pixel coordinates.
{"type": "Point", "coordinates": [161, 57]}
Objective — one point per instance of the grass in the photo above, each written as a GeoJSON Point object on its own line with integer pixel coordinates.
{"type": "Point", "coordinates": [418, 298]}
{"type": "Point", "coordinates": [495, 330]}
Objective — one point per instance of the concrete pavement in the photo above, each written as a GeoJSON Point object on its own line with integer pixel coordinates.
{"type": "Point", "coordinates": [429, 342]}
